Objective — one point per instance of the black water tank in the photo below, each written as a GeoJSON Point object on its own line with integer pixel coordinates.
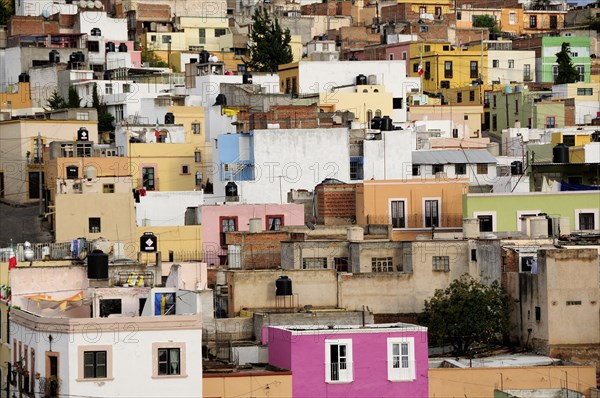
{"type": "Point", "coordinates": [110, 47]}
{"type": "Point", "coordinates": [221, 100]}
{"type": "Point", "coordinates": [361, 80]}
{"type": "Point", "coordinates": [516, 167]}
{"type": "Point", "coordinates": [107, 75]}
{"type": "Point", "coordinates": [23, 78]}
{"type": "Point", "coordinates": [560, 153]}
{"type": "Point", "coordinates": [376, 123]}
{"type": "Point", "coordinates": [80, 56]}
{"type": "Point", "coordinates": [386, 124]}
{"type": "Point", "coordinates": [72, 172]}
{"type": "Point", "coordinates": [97, 265]}
{"type": "Point", "coordinates": [96, 32]}
{"type": "Point", "coordinates": [283, 286]}
{"type": "Point", "coordinates": [122, 48]}
{"type": "Point", "coordinates": [204, 55]}
{"type": "Point", "coordinates": [73, 58]}
{"type": "Point", "coordinates": [231, 189]}
{"type": "Point", "coordinates": [54, 57]}
{"type": "Point", "coordinates": [169, 118]}
{"type": "Point", "coordinates": [247, 78]}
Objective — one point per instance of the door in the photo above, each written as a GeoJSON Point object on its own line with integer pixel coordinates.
{"type": "Point", "coordinates": [52, 380]}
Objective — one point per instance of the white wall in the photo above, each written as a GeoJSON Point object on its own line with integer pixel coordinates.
{"type": "Point", "coordinates": [592, 152]}
{"type": "Point", "coordinates": [586, 108]}
{"type": "Point", "coordinates": [317, 154]}
{"type": "Point", "coordinates": [318, 77]}
{"type": "Point", "coordinates": [43, 81]}
{"type": "Point", "coordinates": [166, 208]}
{"type": "Point", "coordinates": [13, 65]}
{"type": "Point", "coordinates": [503, 73]}
{"type": "Point", "coordinates": [389, 158]}
{"type": "Point", "coordinates": [111, 28]}
{"type": "Point", "coordinates": [36, 8]}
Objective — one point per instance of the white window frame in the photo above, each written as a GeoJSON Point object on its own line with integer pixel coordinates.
{"type": "Point", "coordinates": [487, 213]}
{"type": "Point", "coordinates": [521, 213]}
{"type": "Point", "coordinates": [593, 211]}
{"type": "Point", "coordinates": [348, 372]}
{"type": "Point", "coordinates": [405, 200]}
{"type": "Point", "coordinates": [439, 199]}
{"type": "Point", "coordinates": [406, 374]}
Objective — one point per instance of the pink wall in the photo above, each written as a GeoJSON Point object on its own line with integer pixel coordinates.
{"type": "Point", "coordinates": [293, 215]}
{"type": "Point", "coordinates": [369, 356]}
{"type": "Point", "coordinates": [397, 50]}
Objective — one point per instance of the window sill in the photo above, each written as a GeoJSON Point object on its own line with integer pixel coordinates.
{"type": "Point", "coordinates": [169, 376]}
{"type": "Point", "coordinates": [96, 380]}
{"type": "Point", "coordinates": [401, 380]}
{"type": "Point", "coordinates": [339, 382]}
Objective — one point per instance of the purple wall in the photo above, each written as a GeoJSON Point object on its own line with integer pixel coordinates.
{"type": "Point", "coordinates": [369, 357]}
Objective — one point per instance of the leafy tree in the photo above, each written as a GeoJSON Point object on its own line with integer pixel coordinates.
{"type": "Point", "coordinates": [105, 119]}
{"type": "Point", "coordinates": [56, 101]}
{"type": "Point", "coordinates": [486, 21]}
{"type": "Point", "coordinates": [566, 71]}
{"type": "Point", "coordinates": [270, 43]}
{"type": "Point", "coordinates": [74, 100]}
{"type": "Point", "coordinates": [153, 60]}
{"type": "Point", "coordinates": [467, 312]}
{"type": "Point", "coordinates": [6, 11]}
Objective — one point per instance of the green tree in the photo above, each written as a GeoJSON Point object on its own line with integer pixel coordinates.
{"type": "Point", "coordinates": [486, 21]}
{"type": "Point", "coordinates": [74, 100]}
{"type": "Point", "coordinates": [566, 71]}
{"type": "Point", "coordinates": [270, 43]}
{"type": "Point", "coordinates": [6, 11]}
{"type": "Point", "coordinates": [56, 101]}
{"type": "Point", "coordinates": [152, 59]}
{"type": "Point", "coordinates": [467, 312]}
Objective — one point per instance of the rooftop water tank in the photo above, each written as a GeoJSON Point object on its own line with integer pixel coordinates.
{"type": "Point", "coordinates": [23, 78]}
{"type": "Point", "coordinates": [386, 124]}
{"type": "Point", "coordinates": [169, 118]}
{"type": "Point", "coordinates": [283, 286]}
{"type": "Point", "coordinates": [122, 48]}
{"type": "Point", "coordinates": [560, 153]}
{"type": "Point", "coordinates": [54, 57]}
{"type": "Point", "coordinates": [97, 265]}
{"type": "Point", "coordinates": [361, 80]}
{"type": "Point", "coordinates": [508, 90]}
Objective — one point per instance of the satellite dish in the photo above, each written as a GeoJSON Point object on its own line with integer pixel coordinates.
{"type": "Point", "coordinates": [45, 13]}
{"type": "Point", "coordinates": [82, 3]}
{"type": "Point", "coordinates": [98, 4]}
{"type": "Point", "coordinates": [90, 4]}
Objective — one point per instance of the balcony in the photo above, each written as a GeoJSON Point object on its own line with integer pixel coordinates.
{"type": "Point", "coordinates": [239, 171]}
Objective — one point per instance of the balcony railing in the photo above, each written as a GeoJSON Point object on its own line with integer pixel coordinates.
{"type": "Point", "coordinates": [45, 251]}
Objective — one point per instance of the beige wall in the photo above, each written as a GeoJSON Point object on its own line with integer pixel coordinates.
{"type": "Point", "coordinates": [359, 102]}
{"type": "Point", "coordinates": [481, 382]}
{"type": "Point", "coordinates": [456, 113]}
{"type": "Point", "coordinates": [183, 238]}
{"type": "Point", "coordinates": [116, 216]}
{"type": "Point", "coordinates": [245, 385]}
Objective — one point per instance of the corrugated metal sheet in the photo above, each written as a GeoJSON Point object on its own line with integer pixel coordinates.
{"type": "Point", "coordinates": [453, 157]}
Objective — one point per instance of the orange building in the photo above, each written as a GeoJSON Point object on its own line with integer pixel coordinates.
{"type": "Point", "coordinates": [15, 97]}
{"type": "Point", "coordinates": [412, 207]}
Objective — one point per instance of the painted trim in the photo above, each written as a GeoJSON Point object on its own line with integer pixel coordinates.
{"type": "Point", "coordinates": [317, 330]}
{"type": "Point", "coordinates": [222, 240]}
{"type": "Point", "coordinates": [81, 362]}
{"type": "Point", "coordinates": [349, 372]}
{"type": "Point", "coordinates": [268, 216]}
{"type": "Point", "coordinates": [182, 360]}
{"type": "Point", "coordinates": [394, 375]}
{"type": "Point", "coordinates": [405, 200]}
{"type": "Point", "coordinates": [594, 211]}
{"type": "Point", "coordinates": [487, 213]}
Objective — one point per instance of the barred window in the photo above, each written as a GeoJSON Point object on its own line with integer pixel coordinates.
{"type": "Point", "coordinates": [382, 264]}
{"type": "Point", "coordinates": [441, 263]}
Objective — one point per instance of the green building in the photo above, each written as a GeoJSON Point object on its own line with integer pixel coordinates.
{"type": "Point", "coordinates": [505, 212]}
{"type": "Point", "coordinates": [580, 56]}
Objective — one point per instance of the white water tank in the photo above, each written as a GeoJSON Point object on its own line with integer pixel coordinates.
{"type": "Point", "coordinates": [234, 256]}
{"type": "Point", "coordinates": [471, 228]}
{"type": "Point", "coordinates": [255, 225]}
{"type": "Point", "coordinates": [372, 80]}
{"type": "Point", "coordinates": [538, 227]}
{"type": "Point", "coordinates": [564, 223]}
{"type": "Point", "coordinates": [90, 172]}
{"type": "Point", "coordinates": [221, 278]}
{"type": "Point", "coordinates": [355, 234]}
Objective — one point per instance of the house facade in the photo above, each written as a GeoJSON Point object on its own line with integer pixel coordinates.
{"type": "Point", "coordinates": [386, 360]}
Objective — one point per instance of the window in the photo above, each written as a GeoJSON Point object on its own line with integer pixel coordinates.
{"type": "Point", "coordinates": [527, 72]}
{"type": "Point", "coordinates": [516, 106]}
{"type": "Point", "coordinates": [447, 69]}
{"type": "Point", "coordinates": [109, 307]}
{"type": "Point", "coordinates": [274, 223]}
{"type": "Point", "coordinates": [166, 39]}
{"type": "Point", "coordinates": [397, 103]}
{"type": "Point", "coordinates": [153, 38]}
{"type": "Point", "coordinates": [108, 89]}
{"type": "Point", "coordinates": [438, 11]}
{"type": "Point", "coordinates": [573, 302]}
{"type": "Point", "coordinates": [423, 29]}
{"type": "Point", "coordinates": [398, 213]}
{"type": "Point", "coordinates": [533, 21]}
{"type": "Point", "coordinates": [554, 72]}
{"type": "Point", "coordinates": [473, 254]}
{"type": "Point", "coordinates": [416, 170]}
{"type": "Point", "coordinates": [341, 264]}
{"type": "Point", "coordinates": [432, 214]}
{"type": "Point", "coordinates": [108, 188]}
{"type": "Point", "coordinates": [474, 70]}
{"type": "Point", "coordinates": [460, 169]}
{"type": "Point", "coordinates": [378, 113]}
{"type": "Point", "coordinates": [494, 122]}
{"type": "Point", "coordinates": [169, 361]}
{"type": "Point", "coordinates": [338, 361]}
{"type": "Point", "coordinates": [585, 91]}
{"type": "Point", "coordinates": [495, 63]}
{"type": "Point", "coordinates": [415, 68]}
{"type": "Point", "coordinates": [83, 116]}
{"type": "Point", "coordinates": [202, 36]}
{"type": "Point", "coordinates": [83, 150]}
{"type": "Point", "coordinates": [437, 168]}
{"type": "Point", "coordinates": [382, 264]}
{"type": "Point", "coordinates": [459, 97]}
{"type": "Point", "coordinates": [527, 263]}
{"type": "Point", "coordinates": [581, 71]}
{"type": "Point", "coordinates": [185, 169]}
{"type": "Point", "coordinates": [427, 48]}
{"type": "Point", "coordinates": [511, 64]}
{"type": "Point", "coordinates": [220, 32]}
{"type": "Point", "coordinates": [228, 224]}
{"type": "Point", "coordinates": [471, 99]}
{"type": "Point", "coordinates": [494, 100]}
{"type": "Point", "coordinates": [94, 225]}
{"type": "Point", "coordinates": [404, 55]}
{"type": "Point", "coordinates": [93, 46]}
{"type": "Point", "coordinates": [538, 313]}
{"type": "Point", "coordinates": [427, 70]}
{"type": "Point", "coordinates": [148, 180]}
{"type": "Point", "coordinates": [356, 168]}
{"type": "Point", "coordinates": [586, 221]}
{"type": "Point", "coordinates": [550, 122]}
{"type": "Point", "coordinates": [512, 18]}
{"type": "Point", "coordinates": [441, 263]}
{"type": "Point", "coordinates": [391, 56]}
{"type": "Point", "coordinates": [422, 10]}
{"type": "Point", "coordinates": [196, 128]}
{"type": "Point", "coordinates": [119, 113]}
{"type": "Point", "coordinates": [482, 168]}
{"type": "Point", "coordinates": [198, 179]}
{"type": "Point", "coordinates": [401, 358]}
{"type": "Point", "coordinates": [458, 15]}
{"type": "Point", "coordinates": [126, 88]}
{"type": "Point", "coordinates": [314, 263]}
{"type": "Point", "coordinates": [94, 364]}
{"type": "Point", "coordinates": [197, 157]}
{"type": "Point", "coordinates": [553, 22]}
{"type": "Point", "coordinates": [486, 223]}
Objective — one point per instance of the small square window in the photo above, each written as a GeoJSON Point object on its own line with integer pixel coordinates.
{"type": "Point", "coordinates": [108, 188]}
{"type": "Point", "coordinates": [437, 168]}
{"type": "Point", "coordinates": [482, 168]}
{"type": "Point", "coordinates": [166, 39]}
{"type": "Point", "coordinates": [441, 263]}
{"type": "Point", "coordinates": [314, 263]}
{"type": "Point", "coordinates": [460, 169]}
{"type": "Point", "coordinates": [185, 169]}
{"type": "Point", "coordinates": [94, 225]}
{"type": "Point", "coordinates": [197, 157]}
{"type": "Point", "coordinates": [382, 264]}
{"type": "Point", "coordinates": [169, 361]}
{"type": "Point", "coordinates": [196, 128]}
{"type": "Point", "coordinates": [416, 170]}
{"type": "Point", "coordinates": [95, 364]}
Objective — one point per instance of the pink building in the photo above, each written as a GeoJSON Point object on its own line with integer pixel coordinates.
{"type": "Point", "coordinates": [219, 219]}
{"type": "Point", "coordinates": [383, 360]}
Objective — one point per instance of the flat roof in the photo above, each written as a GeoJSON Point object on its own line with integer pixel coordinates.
{"type": "Point", "coordinates": [446, 156]}
{"type": "Point", "coordinates": [368, 328]}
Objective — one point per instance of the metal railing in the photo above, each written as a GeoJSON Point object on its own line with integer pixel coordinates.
{"type": "Point", "coordinates": [46, 251]}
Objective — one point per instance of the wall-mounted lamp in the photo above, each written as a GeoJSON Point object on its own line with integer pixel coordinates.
{"type": "Point", "coordinates": [50, 338]}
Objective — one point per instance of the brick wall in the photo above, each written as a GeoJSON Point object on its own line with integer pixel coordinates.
{"type": "Point", "coordinates": [261, 250]}
{"type": "Point", "coordinates": [19, 25]}
{"type": "Point", "coordinates": [287, 116]}
{"type": "Point", "coordinates": [153, 12]}
{"type": "Point", "coordinates": [336, 204]}
{"type": "Point", "coordinates": [510, 263]}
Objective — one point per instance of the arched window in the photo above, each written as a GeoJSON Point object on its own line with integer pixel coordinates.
{"type": "Point", "coordinates": [378, 113]}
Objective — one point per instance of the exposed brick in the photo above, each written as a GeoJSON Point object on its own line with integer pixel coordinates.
{"type": "Point", "coordinates": [336, 203]}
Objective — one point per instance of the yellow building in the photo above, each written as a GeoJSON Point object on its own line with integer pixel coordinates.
{"type": "Point", "coordinates": [511, 21]}
{"type": "Point", "coordinates": [433, 7]}
{"type": "Point", "coordinates": [365, 102]}
{"type": "Point", "coordinates": [412, 207]}
{"type": "Point", "coordinates": [469, 117]}
{"type": "Point", "coordinates": [183, 240]}
{"type": "Point", "coordinates": [446, 66]}
{"type": "Point", "coordinates": [15, 97]}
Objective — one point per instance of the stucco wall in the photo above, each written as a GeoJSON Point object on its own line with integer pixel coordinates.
{"type": "Point", "coordinates": [259, 385]}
